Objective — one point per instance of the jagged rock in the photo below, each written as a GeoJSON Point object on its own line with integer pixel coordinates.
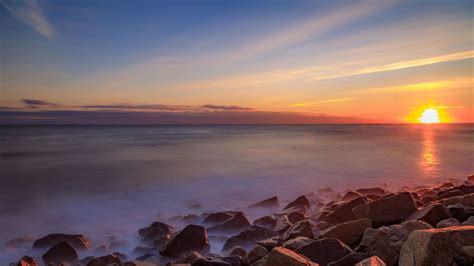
{"type": "Point", "coordinates": [465, 200]}
{"type": "Point", "coordinates": [249, 237]}
{"type": "Point", "coordinates": [324, 251]}
{"type": "Point", "coordinates": [257, 253]}
{"type": "Point", "coordinates": [436, 246]}
{"type": "Point", "coordinates": [297, 242]}
{"type": "Point", "coordinates": [268, 203]}
{"type": "Point", "coordinates": [431, 214]}
{"type": "Point", "coordinates": [191, 238]}
{"type": "Point", "coordinates": [301, 200]}
{"type": "Point", "coordinates": [234, 224]}
{"type": "Point", "coordinates": [281, 256]}
{"type": "Point", "coordinates": [469, 221]}
{"type": "Point", "coordinates": [387, 210]}
{"type": "Point", "coordinates": [372, 261]}
{"type": "Point", "coordinates": [282, 224]}
{"type": "Point", "coordinates": [349, 232]}
{"type": "Point", "coordinates": [447, 223]}
{"type": "Point", "coordinates": [76, 241]}
{"type": "Point", "coordinates": [295, 217]}
{"type": "Point", "coordinates": [350, 259]}
{"type": "Point", "coordinates": [386, 242]}
{"type": "Point", "coordinates": [61, 252]}
{"type": "Point", "coordinates": [449, 194]}
{"type": "Point", "coordinates": [211, 261]}
{"type": "Point", "coordinates": [350, 195]}
{"type": "Point", "coordinates": [217, 218]}
{"type": "Point", "coordinates": [268, 221]}
{"type": "Point", "coordinates": [470, 178]}
{"type": "Point", "coordinates": [372, 191]}
{"type": "Point", "coordinates": [237, 251]}
{"type": "Point", "coordinates": [270, 243]}
{"type": "Point", "coordinates": [301, 228]}
{"type": "Point", "coordinates": [460, 212]}
{"type": "Point", "coordinates": [156, 230]}
{"type": "Point", "coordinates": [344, 213]}
{"type": "Point", "coordinates": [105, 261]}
{"type": "Point", "coordinates": [27, 261]}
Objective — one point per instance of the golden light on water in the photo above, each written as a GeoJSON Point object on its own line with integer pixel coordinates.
{"type": "Point", "coordinates": [429, 116]}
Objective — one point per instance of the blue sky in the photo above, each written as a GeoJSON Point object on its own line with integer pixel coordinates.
{"type": "Point", "coordinates": [312, 57]}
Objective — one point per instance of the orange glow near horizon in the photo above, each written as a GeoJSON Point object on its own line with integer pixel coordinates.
{"type": "Point", "coordinates": [429, 116]}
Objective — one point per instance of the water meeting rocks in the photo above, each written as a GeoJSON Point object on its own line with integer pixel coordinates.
{"type": "Point", "coordinates": [76, 241]}
{"type": "Point", "coordinates": [61, 252]}
{"type": "Point", "coordinates": [217, 218]}
{"type": "Point", "coordinates": [324, 251]}
{"type": "Point", "coordinates": [105, 260]}
{"type": "Point", "coordinates": [300, 201]}
{"type": "Point", "coordinates": [249, 237]}
{"type": "Point", "coordinates": [191, 238]}
{"type": "Point", "coordinates": [234, 224]}
{"type": "Point", "coordinates": [344, 213]}
{"type": "Point", "coordinates": [156, 230]}
{"type": "Point", "coordinates": [268, 203]}
{"type": "Point", "coordinates": [281, 256]}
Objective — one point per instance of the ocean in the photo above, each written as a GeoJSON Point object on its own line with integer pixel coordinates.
{"type": "Point", "coordinates": [104, 181]}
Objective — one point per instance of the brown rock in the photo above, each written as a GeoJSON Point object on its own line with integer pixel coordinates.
{"type": "Point", "coordinates": [388, 210]}
{"type": "Point", "coordinates": [301, 228]}
{"type": "Point", "coordinates": [249, 237]}
{"type": "Point", "coordinates": [436, 246]}
{"type": "Point", "coordinates": [76, 241]}
{"type": "Point", "coordinates": [465, 200]}
{"type": "Point", "coordinates": [268, 221]}
{"type": "Point", "coordinates": [27, 261]}
{"type": "Point", "coordinates": [350, 259]}
{"type": "Point", "coordinates": [324, 251]}
{"type": "Point", "coordinates": [281, 256]}
{"type": "Point", "coordinates": [350, 195]}
{"type": "Point", "coordinates": [237, 251]}
{"type": "Point", "coordinates": [449, 194]}
{"type": "Point", "coordinates": [295, 217]}
{"type": "Point", "coordinates": [301, 200]}
{"type": "Point", "coordinates": [191, 238]}
{"type": "Point", "coordinates": [460, 212]}
{"type": "Point", "coordinates": [344, 213]}
{"type": "Point", "coordinates": [268, 203]}
{"type": "Point", "coordinates": [282, 224]}
{"type": "Point", "coordinates": [257, 253]}
{"type": "Point", "coordinates": [349, 232]}
{"type": "Point", "coordinates": [61, 252]}
{"type": "Point", "coordinates": [431, 214]}
{"type": "Point", "coordinates": [217, 218]}
{"type": "Point", "coordinates": [447, 223]}
{"type": "Point", "coordinates": [372, 261]}
{"type": "Point", "coordinates": [469, 221]}
{"type": "Point", "coordinates": [372, 191]}
{"type": "Point", "coordinates": [270, 243]}
{"type": "Point", "coordinates": [105, 261]}
{"type": "Point", "coordinates": [234, 224]}
{"type": "Point", "coordinates": [470, 178]}
{"type": "Point", "coordinates": [297, 242]}
{"type": "Point", "coordinates": [156, 230]}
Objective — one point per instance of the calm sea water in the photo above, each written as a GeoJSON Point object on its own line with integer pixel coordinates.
{"type": "Point", "coordinates": [98, 180]}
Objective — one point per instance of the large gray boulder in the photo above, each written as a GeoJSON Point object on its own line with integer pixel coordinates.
{"type": "Point", "coordinates": [324, 251]}
{"type": "Point", "coordinates": [349, 232]}
{"type": "Point", "coordinates": [431, 214]}
{"type": "Point", "coordinates": [191, 238]}
{"type": "Point", "coordinates": [343, 213]}
{"type": "Point", "coordinates": [249, 237]}
{"type": "Point", "coordinates": [61, 252]}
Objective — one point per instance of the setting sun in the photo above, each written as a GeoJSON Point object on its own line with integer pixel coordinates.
{"type": "Point", "coordinates": [429, 116]}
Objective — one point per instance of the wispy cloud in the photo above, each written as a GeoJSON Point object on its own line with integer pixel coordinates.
{"type": "Point", "coordinates": [37, 103]}
{"type": "Point", "coordinates": [323, 102]}
{"type": "Point", "coordinates": [226, 107]}
{"type": "Point", "coordinates": [447, 84]}
{"type": "Point", "coordinates": [30, 13]}
{"type": "Point", "coordinates": [169, 108]}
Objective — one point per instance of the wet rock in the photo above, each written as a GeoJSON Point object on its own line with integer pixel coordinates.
{"type": "Point", "coordinates": [156, 230]}
{"type": "Point", "coordinates": [217, 218]}
{"type": "Point", "coordinates": [268, 203]}
{"type": "Point", "coordinates": [431, 214]}
{"type": "Point", "coordinates": [386, 242]}
{"type": "Point", "coordinates": [460, 212]}
{"type": "Point", "coordinates": [257, 253]}
{"type": "Point", "coordinates": [211, 261]}
{"type": "Point", "coordinates": [76, 241]}
{"type": "Point", "coordinates": [234, 260]}
{"type": "Point", "coordinates": [344, 213]}
{"type": "Point", "coordinates": [388, 210]}
{"type": "Point", "coordinates": [281, 256]}
{"type": "Point", "coordinates": [447, 223]}
{"type": "Point", "coordinates": [270, 243]}
{"type": "Point", "coordinates": [268, 221]}
{"type": "Point", "coordinates": [191, 238]}
{"type": "Point", "coordinates": [350, 195]}
{"type": "Point", "coordinates": [469, 221]}
{"type": "Point", "coordinates": [436, 246]}
{"type": "Point", "coordinates": [27, 261]}
{"type": "Point", "coordinates": [297, 242]}
{"type": "Point", "coordinates": [300, 201]}
{"type": "Point", "coordinates": [350, 259]}
{"type": "Point", "coordinates": [249, 237]}
{"type": "Point", "coordinates": [372, 191]}
{"type": "Point", "coordinates": [237, 251]}
{"type": "Point", "coordinates": [449, 194]}
{"type": "Point", "coordinates": [122, 256]}
{"type": "Point", "coordinates": [470, 178]}
{"type": "Point", "coordinates": [105, 261]}
{"type": "Point", "coordinates": [151, 258]}
{"type": "Point", "coordinates": [234, 224]}
{"type": "Point", "coordinates": [465, 200]}
{"type": "Point", "coordinates": [372, 261]}
{"type": "Point", "coordinates": [117, 244]}
{"type": "Point", "coordinates": [349, 232]}
{"type": "Point", "coordinates": [282, 224]}
{"type": "Point", "coordinates": [324, 251]}
{"type": "Point", "coordinates": [61, 252]}
{"type": "Point", "coordinates": [20, 242]}
{"type": "Point", "coordinates": [301, 228]}
{"type": "Point", "coordinates": [468, 251]}
{"type": "Point", "coordinates": [295, 217]}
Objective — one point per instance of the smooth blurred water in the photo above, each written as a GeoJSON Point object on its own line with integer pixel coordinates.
{"type": "Point", "coordinates": [92, 179]}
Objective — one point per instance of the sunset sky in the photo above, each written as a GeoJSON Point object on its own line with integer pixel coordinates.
{"type": "Point", "coordinates": [235, 61]}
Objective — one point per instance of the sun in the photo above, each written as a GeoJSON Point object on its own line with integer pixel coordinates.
{"type": "Point", "coordinates": [429, 116]}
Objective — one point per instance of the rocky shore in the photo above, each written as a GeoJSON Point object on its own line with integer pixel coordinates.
{"type": "Point", "coordinates": [419, 225]}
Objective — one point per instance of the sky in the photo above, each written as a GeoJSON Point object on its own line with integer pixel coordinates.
{"type": "Point", "coordinates": [224, 62]}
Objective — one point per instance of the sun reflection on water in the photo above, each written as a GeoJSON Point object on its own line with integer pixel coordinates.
{"type": "Point", "coordinates": [429, 162]}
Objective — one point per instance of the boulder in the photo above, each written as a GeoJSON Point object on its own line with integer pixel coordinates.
{"type": "Point", "coordinates": [282, 224]}
{"type": "Point", "coordinates": [234, 224]}
{"type": "Point", "coordinates": [295, 217]}
{"type": "Point", "coordinates": [465, 200]}
{"type": "Point", "coordinates": [257, 253]}
{"type": "Point", "coordinates": [297, 242]}
{"type": "Point", "coordinates": [460, 212]}
{"type": "Point", "coordinates": [268, 221]}
{"type": "Point", "coordinates": [156, 230]}
{"type": "Point", "coordinates": [211, 261]}
{"type": "Point", "coordinates": [372, 261]}
{"type": "Point", "coordinates": [148, 257]}
{"type": "Point", "coordinates": [105, 261]}
{"type": "Point", "coordinates": [268, 203]}
{"type": "Point", "coordinates": [61, 252]}
{"type": "Point", "coordinates": [349, 232]}
{"type": "Point", "coordinates": [301, 200]}
{"type": "Point", "coordinates": [469, 221]}
{"type": "Point", "coordinates": [237, 251]}
{"type": "Point", "coordinates": [431, 214]}
{"type": "Point", "coordinates": [436, 246]}
{"type": "Point", "coordinates": [372, 191]}
{"type": "Point", "coordinates": [191, 238]}
{"type": "Point", "coordinates": [470, 178]}
{"type": "Point", "coordinates": [324, 251]}
{"type": "Point", "coordinates": [76, 241]}
{"type": "Point", "coordinates": [301, 228]}
{"type": "Point", "coordinates": [249, 237]}
{"type": "Point", "coordinates": [447, 223]}
{"type": "Point", "coordinates": [217, 218]}
{"type": "Point", "coordinates": [27, 261]}
{"type": "Point", "coordinates": [343, 213]}
{"type": "Point", "coordinates": [281, 256]}
{"type": "Point", "coordinates": [350, 195]}
{"type": "Point", "coordinates": [388, 210]}
{"type": "Point", "coordinates": [270, 243]}
{"type": "Point", "coordinates": [350, 259]}
{"type": "Point", "coordinates": [449, 194]}
{"type": "Point", "coordinates": [386, 242]}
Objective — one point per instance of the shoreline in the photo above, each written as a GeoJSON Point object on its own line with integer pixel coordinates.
{"type": "Point", "coordinates": [323, 227]}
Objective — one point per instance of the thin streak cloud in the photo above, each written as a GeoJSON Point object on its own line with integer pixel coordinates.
{"type": "Point", "coordinates": [323, 102]}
